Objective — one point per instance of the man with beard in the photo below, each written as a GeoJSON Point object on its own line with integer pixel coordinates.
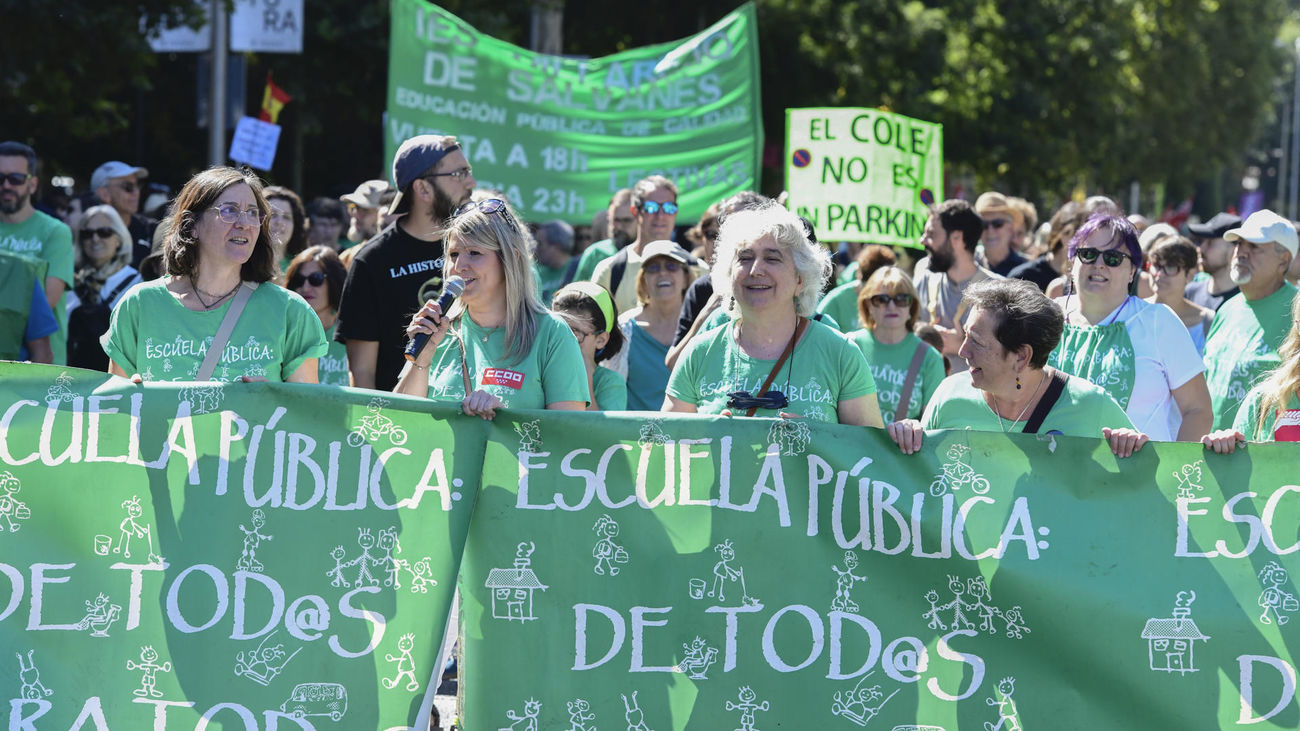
{"type": "Point", "coordinates": [949, 238]}
{"type": "Point", "coordinates": [1216, 261]}
{"type": "Point", "coordinates": [30, 233]}
{"type": "Point", "coordinates": [1249, 327]}
{"type": "Point", "coordinates": [622, 230]}
{"type": "Point", "coordinates": [401, 267]}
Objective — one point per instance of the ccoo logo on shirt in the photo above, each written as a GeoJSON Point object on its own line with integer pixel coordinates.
{"type": "Point", "coordinates": [503, 377]}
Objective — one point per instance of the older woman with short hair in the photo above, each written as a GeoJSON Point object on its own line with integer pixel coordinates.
{"type": "Point", "coordinates": [771, 360]}
{"type": "Point", "coordinates": [1010, 388]}
{"type": "Point", "coordinates": [906, 369]}
{"type": "Point", "coordinates": [103, 274]}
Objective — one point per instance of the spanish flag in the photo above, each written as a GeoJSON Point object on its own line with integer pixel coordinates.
{"type": "Point", "coordinates": [273, 100]}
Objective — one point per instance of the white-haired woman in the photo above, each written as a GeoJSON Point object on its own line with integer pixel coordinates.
{"type": "Point", "coordinates": [772, 360]}
{"type": "Point", "coordinates": [497, 346]}
{"type": "Point", "coordinates": [104, 273]}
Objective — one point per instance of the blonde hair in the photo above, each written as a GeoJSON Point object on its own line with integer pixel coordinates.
{"type": "Point", "coordinates": [503, 233]}
{"type": "Point", "coordinates": [744, 227]}
{"type": "Point", "coordinates": [888, 280]}
{"type": "Point", "coordinates": [1284, 381]}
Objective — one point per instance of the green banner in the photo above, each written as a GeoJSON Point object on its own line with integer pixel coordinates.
{"type": "Point", "coordinates": [558, 135]}
{"type": "Point", "coordinates": [248, 556]}
{"type": "Point", "coordinates": [863, 174]}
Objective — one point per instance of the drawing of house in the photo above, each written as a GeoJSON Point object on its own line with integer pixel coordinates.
{"type": "Point", "coordinates": [512, 589]}
{"type": "Point", "coordinates": [1171, 641]}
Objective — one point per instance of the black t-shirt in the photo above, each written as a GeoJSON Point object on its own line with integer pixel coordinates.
{"type": "Point", "coordinates": [391, 278]}
{"type": "Point", "coordinates": [1004, 267]}
{"type": "Point", "coordinates": [1199, 292]}
{"type": "Point", "coordinates": [1039, 271]}
{"type": "Point", "coordinates": [697, 296]}
{"type": "Point", "coordinates": [141, 229]}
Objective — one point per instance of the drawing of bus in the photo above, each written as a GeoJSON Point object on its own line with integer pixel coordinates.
{"type": "Point", "coordinates": [317, 699]}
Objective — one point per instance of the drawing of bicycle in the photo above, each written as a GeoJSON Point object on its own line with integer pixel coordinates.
{"type": "Point", "coordinates": [956, 475]}
{"type": "Point", "coordinates": [376, 426]}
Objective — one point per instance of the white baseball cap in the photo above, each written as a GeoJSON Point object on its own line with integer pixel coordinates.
{"type": "Point", "coordinates": [1264, 226]}
{"type": "Point", "coordinates": [114, 169]}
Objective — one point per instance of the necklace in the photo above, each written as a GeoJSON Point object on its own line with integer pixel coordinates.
{"type": "Point", "coordinates": [997, 411]}
{"type": "Point", "coordinates": [198, 293]}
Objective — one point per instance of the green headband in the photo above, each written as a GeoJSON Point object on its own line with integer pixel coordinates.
{"type": "Point", "coordinates": [598, 294]}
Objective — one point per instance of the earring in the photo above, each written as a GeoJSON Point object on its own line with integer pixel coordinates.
{"type": "Point", "coordinates": [1017, 381]}
{"type": "Point", "coordinates": [732, 306]}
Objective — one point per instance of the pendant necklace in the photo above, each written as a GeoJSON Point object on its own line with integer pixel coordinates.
{"type": "Point", "coordinates": [997, 411]}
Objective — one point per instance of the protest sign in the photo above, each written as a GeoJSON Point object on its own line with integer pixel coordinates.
{"type": "Point", "coordinates": [559, 135]}
{"type": "Point", "coordinates": [254, 142]}
{"type": "Point", "coordinates": [751, 574]}
{"type": "Point", "coordinates": [250, 556]}
{"type": "Point", "coordinates": [863, 174]}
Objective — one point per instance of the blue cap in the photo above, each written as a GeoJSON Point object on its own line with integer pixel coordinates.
{"type": "Point", "coordinates": [415, 157]}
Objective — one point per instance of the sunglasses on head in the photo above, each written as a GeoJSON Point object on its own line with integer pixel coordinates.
{"type": "Point", "coordinates": [652, 207]}
{"type": "Point", "coordinates": [103, 233]}
{"type": "Point", "coordinates": [901, 299]}
{"type": "Point", "coordinates": [14, 179]}
{"type": "Point", "coordinates": [315, 279]}
{"type": "Point", "coordinates": [745, 400]}
{"type": "Point", "coordinates": [1112, 257]}
{"type": "Point", "coordinates": [488, 207]}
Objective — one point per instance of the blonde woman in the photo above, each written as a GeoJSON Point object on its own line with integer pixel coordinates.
{"type": "Point", "coordinates": [497, 346]}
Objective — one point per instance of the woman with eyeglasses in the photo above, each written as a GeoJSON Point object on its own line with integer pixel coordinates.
{"type": "Point", "coordinates": [317, 275]}
{"type": "Point", "coordinates": [589, 310]}
{"type": "Point", "coordinates": [287, 224]}
{"type": "Point", "coordinates": [906, 369]}
{"type": "Point", "coordinates": [103, 274]}
{"type": "Point", "coordinates": [648, 328]}
{"type": "Point", "coordinates": [1173, 264]}
{"type": "Point", "coordinates": [216, 315]}
{"type": "Point", "coordinates": [705, 234]}
{"type": "Point", "coordinates": [771, 360]}
{"type": "Point", "coordinates": [497, 346]}
{"type": "Point", "coordinates": [1139, 352]}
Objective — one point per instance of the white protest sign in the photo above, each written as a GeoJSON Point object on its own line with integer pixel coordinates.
{"type": "Point", "coordinates": [254, 143]}
{"type": "Point", "coordinates": [863, 174]}
{"type": "Point", "coordinates": [266, 26]}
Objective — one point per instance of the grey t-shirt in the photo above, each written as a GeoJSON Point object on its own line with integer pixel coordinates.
{"type": "Point", "coordinates": [940, 299]}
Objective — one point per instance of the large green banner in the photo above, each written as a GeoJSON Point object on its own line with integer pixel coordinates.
{"type": "Point", "coordinates": [246, 556]}
{"type": "Point", "coordinates": [863, 174]}
{"type": "Point", "coordinates": [558, 135]}
{"type": "Point", "coordinates": [712, 573]}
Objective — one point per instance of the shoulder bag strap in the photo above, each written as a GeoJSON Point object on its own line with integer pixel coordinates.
{"type": "Point", "coordinates": [789, 348]}
{"type": "Point", "coordinates": [227, 327]}
{"type": "Point", "coordinates": [909, 383]}
{"type": "Point", "coordinates": [1045, 404]}
{"type": "Point", "coordinates": [616, 270]}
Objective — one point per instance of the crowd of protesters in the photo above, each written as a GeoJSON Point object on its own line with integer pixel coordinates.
{"type": "Point", "coordinates": [1092, 324]}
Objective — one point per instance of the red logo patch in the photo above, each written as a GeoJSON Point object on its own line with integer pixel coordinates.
{"type": "Point", "coordinates": [1287, 426]}
{"type": "Point", "coordinates": [503, 377]}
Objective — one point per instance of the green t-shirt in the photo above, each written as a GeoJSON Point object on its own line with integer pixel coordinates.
{"type": "Point", "coordinates": [151, 333]}
{"type": "Point", "coordinates": [823, 370]}
{"type": "Point", "coordinates": [1242, 346]}
{"type": "Point", "coordinates": [1081, 411]}
{"type": "Point", "coordinates": [889, 365]}
{"type": "Point", "coordinates": [593, 255]}
{"type": "Point", "coordinates": [611, 390]}
{"type": "Point", "coordinates": [720, 316]}
{"type": "Point", "coordinates": [841, 303]}
{"type": "Point", "coordinates": [47, 238]}
{"type": "Point", "coordinates": [549, 280]}
{"type": "Point", "coordinates": [1285, 430]}
{"type": "Point", "coordinates": [332, 368]}
{"type": "Point", "coordinates": [552, 371]}
{"type": "Point", "coordinates": [850, 274]}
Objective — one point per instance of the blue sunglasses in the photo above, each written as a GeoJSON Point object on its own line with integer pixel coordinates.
{"type": "Point", "coordinates": [651, 207]}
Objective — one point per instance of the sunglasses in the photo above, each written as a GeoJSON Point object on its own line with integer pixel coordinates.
{"type": "Point", "coordinates": [1112, 257]}
{"type": "Point", "coordinates": [315, 279]}
{"type": "Point", "coordinates": [15, 179]}
{"type": "Point", "coordinates": [127, 186]}
{"type": "Point", "coordinates": [652, 207]}
{"type": "Point", "coordinates": [488, 207]}
{"type": "Point", "coordinates": [996, 223]}
{"type": "Point", "coordinates": [103, 233]}
{"type": "Point", "coordinates": [745, 400]}
{"type": "Point", "coordinates": [1169, 270]}
{"type": "Point", "coordinates": [460, 174]}
{"type": "Point", "coordinates": [902, 299]}
{"type": "Point", "coordinates": [231, 213]}
{"type": "Point", "coordinates": [672, 266]}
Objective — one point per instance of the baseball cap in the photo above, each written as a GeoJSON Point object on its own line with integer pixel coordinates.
{"type": "Point", "coordinates": [114, 169]}
{"type": "Point", "coordinates": [1216, 227]}
{"type": "Point", "coordinates": [1154, 233]}
{"type": "Point", "coordinates": [1265, 226]}
{"type": "Point", "coordinates": [413, 158]}
{"type": "Point", "coordinates": [367, 194]}
{"type": "Point", "coordinates": [664, 247]}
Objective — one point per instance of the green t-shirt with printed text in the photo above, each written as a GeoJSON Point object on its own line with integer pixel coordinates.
{"type": "Point", "coordinates": [1247, 420]}
{"type": "Point", "coordinates": [332, 368]}
{"type": "Point", "coordinates": [823, 370]}
{"type": "Point", "coordinates": [889, 366]}
{"type": "Point", "coordinates": [1242, 347]}
{"type": "Point", "coordinates": [47, 238]}
{"type": "Point", "coordinates": [1082, 410]}
{"type": "Point", "coordinates": [151, 333]}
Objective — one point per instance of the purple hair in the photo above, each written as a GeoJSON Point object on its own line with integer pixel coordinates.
{"type": "Point", "coordinates": [1119, 228]}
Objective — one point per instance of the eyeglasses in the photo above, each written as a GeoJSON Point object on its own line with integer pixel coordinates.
{"type": "Point", "coordinates": [671, 266]}
{"type": "Point", "coordinates": [232, 213]}
{"type": "Point", "coordinates": [280, 216]}
{"type": "Point", "coordinates": [901, 299]}
{"type": "Point", "coordinates": [15, 179]}
{"type": "Point", "coordinates": [580, 334]}
{"type": "Point", "coordinates": [126, 186]}
{"type": "Point", "coordinates": [709, 233]}
{"type": "Point", "coordinates": [103, 233]}
{"type": "Point", "coordinates": [652, 207]}
{"type": "Point", "coordinates": [489, 206]}
{"type": "Point", "coordinates": [1112, 257]}
{"type": "Point", "coordinates": [745, 400]}
{"type": "Point", "coordinates": [996, 223]}
{"type": "Point", "coordinates": [1169, 270]}
{"type": "Point", "coordinates": [315, 279]}
{"type": "Point", "coordinates": [460, 174]}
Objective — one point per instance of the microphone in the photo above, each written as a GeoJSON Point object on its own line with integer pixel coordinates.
{"type": "Point", "coordinates": [451, 289]}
